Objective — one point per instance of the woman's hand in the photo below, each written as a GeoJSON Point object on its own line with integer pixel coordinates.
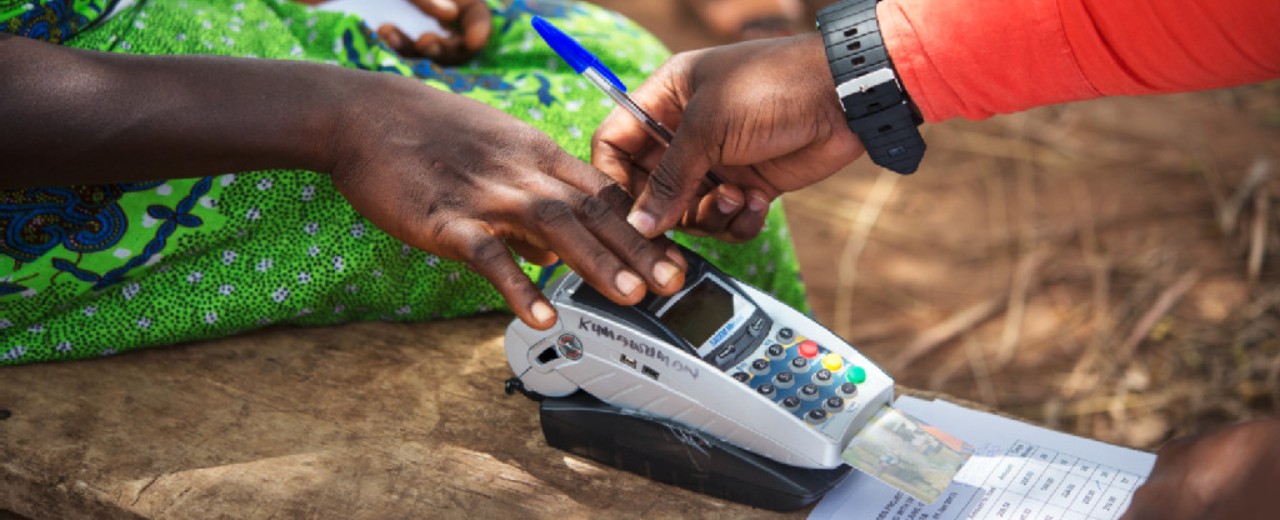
{"type": "Point", "coordinates": [1230, 473]}
{"type": "Point", "coordinates": [464, 180]}
{"type": "Point", "coordinates": [469, 23]}
{"type": "Point", "coordinates": [434, 169]}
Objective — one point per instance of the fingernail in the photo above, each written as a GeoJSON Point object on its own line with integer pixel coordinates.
{"type": "Point", "coordinates": [542, 311]}
{"type": "Point", "coordinates": [675, 256]}
{"type": "Point", "coordinates": [726, 205]}
{"type": "Point", "coordinates": [664, 272]}
{"type": "Point", "coordinates": [444, 5]}
{"type": "Point", "coordinates": [643, 222]}
{"type": "Point", "coordinates": [757, 204]}
{"type": "Point", "coordinates": [627, 282]}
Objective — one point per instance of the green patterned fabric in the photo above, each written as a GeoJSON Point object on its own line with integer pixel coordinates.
{"type": "Point", "coordinates": [97, 270]}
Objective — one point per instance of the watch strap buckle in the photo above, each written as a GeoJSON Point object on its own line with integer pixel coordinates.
{"type": "Point", "coordinates": [866, 95]}
{"type": "Point", "coordinates": [867, 82]}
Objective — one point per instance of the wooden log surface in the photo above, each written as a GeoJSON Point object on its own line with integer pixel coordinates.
{"type": "Point", "coordinates": [371, 420]}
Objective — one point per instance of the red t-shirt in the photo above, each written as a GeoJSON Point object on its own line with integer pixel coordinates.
{"type": "Point", "coordinates": [976, 58]}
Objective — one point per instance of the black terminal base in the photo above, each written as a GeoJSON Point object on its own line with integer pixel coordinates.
{"type": "Point", "coordinates": [674, 454]}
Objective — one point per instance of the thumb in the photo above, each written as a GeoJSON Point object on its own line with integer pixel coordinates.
{"type": "Point", "coordinates": [672, 186]}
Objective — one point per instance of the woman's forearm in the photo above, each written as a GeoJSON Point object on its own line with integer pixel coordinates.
{"type": "Point", "coordinates": [70, 116]}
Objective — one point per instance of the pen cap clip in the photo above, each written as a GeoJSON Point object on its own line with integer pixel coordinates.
{"type": "Point", "coordinates": [572, 52]}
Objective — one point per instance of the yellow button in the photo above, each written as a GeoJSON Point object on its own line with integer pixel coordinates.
{"type": "Point", "coordinates": [832, 362]}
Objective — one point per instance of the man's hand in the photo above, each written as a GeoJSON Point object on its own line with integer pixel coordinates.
{"type": "Point", "coordinates": [464, 180]}
{"type": "Point", "coordinates": [763, 114]}
{"type": "Point", "coordinates": [1230, 473]}
{"type": "Point", "coordinates": [469, 23]}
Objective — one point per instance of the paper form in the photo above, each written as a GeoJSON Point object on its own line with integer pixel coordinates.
{"type": "Point", "coordinates": [400, 13]}
{"type": "Point", "coordinates": [1018, 471]}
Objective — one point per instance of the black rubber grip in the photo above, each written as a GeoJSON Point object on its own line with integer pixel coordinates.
{"type": "Point", "coordinates": [892, 139]}
{"type": "Point", "coordinates": [849, 30]}
{"type": "Point", "coordinates": [851, 67]}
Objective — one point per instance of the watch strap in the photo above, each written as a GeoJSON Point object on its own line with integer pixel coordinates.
{"type": "Point", "coordinates": [875, 105]}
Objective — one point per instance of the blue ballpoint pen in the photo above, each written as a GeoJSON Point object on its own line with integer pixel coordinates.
{"type": "Point", "coordinates": [587, 64]}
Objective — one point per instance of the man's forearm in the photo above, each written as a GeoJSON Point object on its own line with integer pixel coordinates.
{"type": "Point", "coordinates": [973, 58]}
{"type": "Point", "coordinates": [70, 116]}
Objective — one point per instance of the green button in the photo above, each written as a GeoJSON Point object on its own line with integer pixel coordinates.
{"type": "Point", "coordinates": [856, 374]}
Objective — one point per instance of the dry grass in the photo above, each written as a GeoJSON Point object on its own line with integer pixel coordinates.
{"type": "Point", "coordinates": [1130, 292]}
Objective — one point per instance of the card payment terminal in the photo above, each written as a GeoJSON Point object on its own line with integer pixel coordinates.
{"type": "Point", "coordinates": [720, 357]}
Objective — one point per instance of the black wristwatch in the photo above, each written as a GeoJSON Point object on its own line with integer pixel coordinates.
{"type": "Point", "coordinates": [876, 106]}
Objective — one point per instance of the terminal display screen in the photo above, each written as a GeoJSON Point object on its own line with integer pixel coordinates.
{"type": "Point", "coordinates": [700, 313]}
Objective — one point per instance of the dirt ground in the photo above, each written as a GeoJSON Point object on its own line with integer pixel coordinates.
{"type": "Point", "coordinates": [1111, 268]}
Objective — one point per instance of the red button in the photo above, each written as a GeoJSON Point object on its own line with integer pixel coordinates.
{"type": "Point", "coordinates": [809, 349]}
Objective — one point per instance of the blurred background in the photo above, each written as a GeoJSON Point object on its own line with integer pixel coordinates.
{"type": "Point", "coordinates": [1108, 268]}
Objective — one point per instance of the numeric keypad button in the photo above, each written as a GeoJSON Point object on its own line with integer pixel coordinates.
{"type": "Point", "coordinates": [808, 392]}
{"type": "Point", "coordinates": [816, 416]}
{"type": "Point", "coordinates": [785, 335]}
{"type": "Point", "coordinates": [823, 377]}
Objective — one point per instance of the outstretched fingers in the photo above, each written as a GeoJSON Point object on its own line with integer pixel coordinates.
{"type": "Point", "coordinates": [656, 260]}
{"type": "Point", "coordinates": [474, 244]}
{"type": "Point", "coordinates": [558, 222]}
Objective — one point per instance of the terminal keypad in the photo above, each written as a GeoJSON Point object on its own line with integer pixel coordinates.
{"type": "Point", "coordinates": [802, 377]}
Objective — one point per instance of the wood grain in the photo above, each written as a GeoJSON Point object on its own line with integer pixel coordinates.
{"type": "Point", "coordinates": [372, 420]}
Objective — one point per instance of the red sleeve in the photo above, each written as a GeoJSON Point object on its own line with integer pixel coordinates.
{"type": "Point", "coordinates": [977, 58]}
